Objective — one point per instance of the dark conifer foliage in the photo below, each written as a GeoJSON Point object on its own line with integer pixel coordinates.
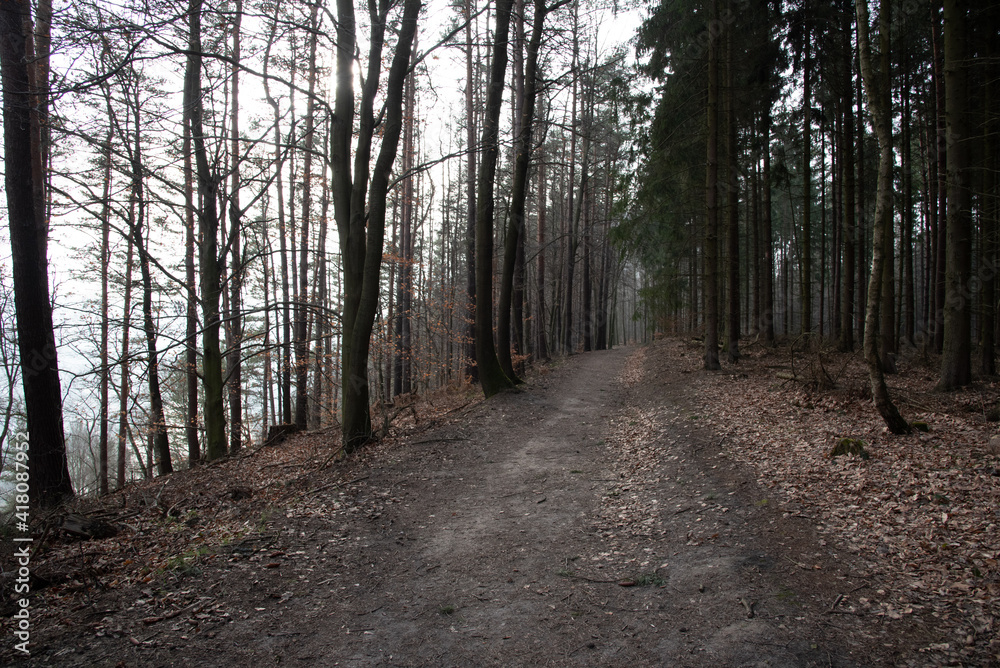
{"type": "Point", "coordinates": [801, 201]}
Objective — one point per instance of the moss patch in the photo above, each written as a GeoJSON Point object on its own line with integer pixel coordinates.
{"type": "Point", "coordinates": [850, 446]}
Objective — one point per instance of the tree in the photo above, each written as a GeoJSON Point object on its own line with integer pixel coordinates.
{"type": "Point", "coordinates": [471, 369]}
{"type": "Point", "coordinates": [49, 469]}
{"type": "Point", "coordinates": [711, 360]}
{"type": "Point", "coordinates": [234, 326]}
{"type": "Point", "coordinates": [191, 319]}
{"type": "Point", "coordinates": [105, 320]}
{"type": "Point", "coordinates": [514, 241]}
{"type": "Point", "coordinates": [846, 161]}
{"type": "Point", "coordinates": [956, 364]}
{"type": "Point", "coordinates": [732, 210]}
{"type": "Point", "coordinates": [362, 228]}
{"type": "Point", "coordinates": [880, 115]}
{"type": "Point", "coordinates": [158, 423]}
{"type": "Point", "coordinates": [285, 356]}
{"type": "Point", "coordinates": [210, 263]}
{"type": "Point", "coordinates": [491, 374]}
{"type": "Point", "coordinates": [302, 320]}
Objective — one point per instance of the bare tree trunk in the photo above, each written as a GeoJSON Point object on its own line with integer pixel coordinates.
{"type": "Point", "coordinates": [361, 243]}
{"type": "Point", "coordinates": [587, 287]}
{"type": "Point", "coordinates": [210, 262]}
{"type": "Point", "coordinates": [732, 206]}
{"type": "Point", "coordinates": [941, 203]}
{"type": "Point", "coordinates": [158, 425]}
{"type": "Point", "coordinates": [542, 350]}
{"type": "Point", "coordinates": [887, 328]}
{"type": "Point", "coordinates": [848, 209]}
{"type": "Point", "coordinates": [755, 227]}
{"type": "Point", "coordinates": [767, 234]}
{"type": "Point", "coordinates": [471, 370]}
{"type": "Point", "coordinates": [235, 324]}
{"type": "Point", "coordinates": [37, 41]}
{"type": "Point", "coordinates": [907, 220]}
{"type": "Point", "coordinates": [572, 241]}
{"type": "Point", "coordinates": [522, 161]}
{"type": "Point", "coordinates": [49, 472]}
{"type": "Point", "coordinates": [302, 318]}
{"type": "Point", "coordinates": [711, 360]}
{"type": "Point", "coordinates": [406, 234]}
{"type": "Point", "coordinates": [491, 373]}
{"type": "Point", "coordinates": [956, 366]}
{"type": "Point", "coordinates": [807, 189]}
{"type": "Point", "coordinates": [860, 214]}
{"type": "Point", "coordinates": [394, 367]}
{"type": "Point", "coordinates": [880, 115]}
{"type": "Point", "coordinates": [267, 394]}
{"type": "Point", "coordinates": [102, 475]}
{"type": "Point", "coordinates": [321, 385]}
{"type": "Point", "coordinates": [137, 222]}
{"type": "Point", "coordinates": [990, 231]}
{"type": "Point", "coordinates": [191, 342]}
{"type": "Point", "coordinates": [285, 355]}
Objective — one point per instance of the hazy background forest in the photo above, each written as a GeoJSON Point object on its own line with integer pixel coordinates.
{"type": "Point", "coordinates": [289, 213]}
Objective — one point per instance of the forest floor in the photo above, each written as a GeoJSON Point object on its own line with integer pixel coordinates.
{"type": "Point", "coordinates": [624, 509]}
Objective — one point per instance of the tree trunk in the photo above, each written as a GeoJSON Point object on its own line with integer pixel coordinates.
{"type": "Point", "coordinates": [542, 350]}
{"type": "Point", "coordinates": [887, 327]}
{"type": "Point", "coordinates": [102, 474]}
{"type": "Point", "coordinates": [471, 370]}
{"type": "Point", "coordinates": [210, 264]}
{"type": "Point", "coordinates": [519, 194]}
{"type": "Point", "coordinates": [767, 236]}
{"type": "Point", "coordinates": [990, 241]}
{"type": "Point", "coordinates": [124, 384]}
{"type": "Point", "coordinates": [362, 236]}
{"type": "Point", "coordinates": [907, 219]}
{"type": "Point", "coordinates": [321, 383]}
{"type": "Point", "coordinates": [491, 373]}
{"type": "Point", "coordinates": [732, 210]}
{"type": "Point", "coordinates": [941, 202]}
{"type": "Point", "coordinates": [807, 191]}
{"type": "Point", "coordinates": [37, 51]}
{"type": "Point", "coordinates": [302, 308]}
{"type": "Point", "coordinates": [848, 210]}
{"type": "Point", "coordinates": [755, 228]}
{"type": "Point", "coordinates": [404, 365]}
{"type": "Point", "coordinates": [880, 393]}
{"type": "Point", "coordinates": [158, 424]}
{"type": "Point", "coordinates": [568, 214]}
{"type": "Point", "coordinates": [267, 392]}
{"type": "Point", "coordinates": [191, 340]}
{"type": "Point", "coordinates": [49, 471]}
{"type": "Point", "coordinates": [860, 215]}
{"type": "Point", "coordinates": [711, 359]}
{"type": "Point", "coordinates": [235, 324]}
{"type": "Point", "coordinates": [285, 355]}
{"type": "Point", "coordinates": [956, 365]}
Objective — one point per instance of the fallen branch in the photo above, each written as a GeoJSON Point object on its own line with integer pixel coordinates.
{"type": "Point", "coordinates": [194, 608]}
{"type": "Point", "coordinates": [336, 485]}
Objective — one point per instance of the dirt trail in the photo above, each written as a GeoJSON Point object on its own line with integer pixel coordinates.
{"type": "Point", "coordinates": [524, 533]}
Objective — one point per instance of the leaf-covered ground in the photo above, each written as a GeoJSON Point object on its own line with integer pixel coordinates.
{"type": "Point", "coordinates": [922, 512]}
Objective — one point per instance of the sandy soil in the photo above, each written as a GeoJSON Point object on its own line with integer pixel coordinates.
{"type": "Point", "coordinates": [583, 521]}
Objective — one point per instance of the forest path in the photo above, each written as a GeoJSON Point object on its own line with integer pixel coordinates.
{"type": "Point", "coordinates": [504, 539]}
{"type": "Point", "coordinates": [584, 521]}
